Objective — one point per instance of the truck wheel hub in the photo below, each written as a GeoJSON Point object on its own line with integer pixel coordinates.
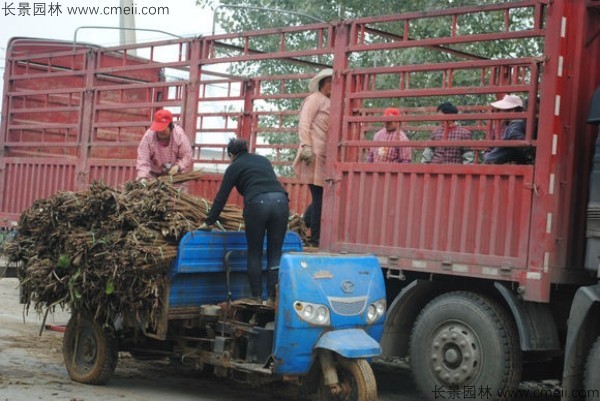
{"type": "Point", "coordinates": [455, 354]}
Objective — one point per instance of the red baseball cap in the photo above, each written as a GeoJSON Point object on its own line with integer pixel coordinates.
{"type": "Point", "coordinates": [391, 111]}
{"type": "Point", "coordinates": [162, 119]}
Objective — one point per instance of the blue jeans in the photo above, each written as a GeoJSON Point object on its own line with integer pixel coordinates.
{"type": "Point", "coordinates": [266, 213]}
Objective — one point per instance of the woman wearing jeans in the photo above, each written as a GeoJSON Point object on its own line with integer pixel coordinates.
{"type": "Point", "coordinates": [266, 211]}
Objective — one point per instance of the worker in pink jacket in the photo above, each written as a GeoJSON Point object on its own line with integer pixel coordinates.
{"type": "Point", "coordinates": [164, 149]}
{"type": "Point", "coordinates": [309, 164]}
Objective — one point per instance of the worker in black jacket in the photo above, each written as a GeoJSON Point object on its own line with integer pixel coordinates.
{"type": "Point", "coordinates": [266, 210]}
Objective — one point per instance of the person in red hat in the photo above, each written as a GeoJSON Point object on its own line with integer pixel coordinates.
{"type": "Point", "coordinates": [164, 149]}
{"type": "Point", "coordinates": [391, 132]}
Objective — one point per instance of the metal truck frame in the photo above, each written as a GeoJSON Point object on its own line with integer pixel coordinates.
{"type": "Point", "coordinates": [490, 254]}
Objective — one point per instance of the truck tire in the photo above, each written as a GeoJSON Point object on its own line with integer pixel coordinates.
{"type": "Point", "coordinates": [356, 380]}
{"type": "Point", "coordinates": [89, 352]}
{"type": "Point", "coordinates": [464, 345]}
{"type": "Point", "coordinates": [591, 376]}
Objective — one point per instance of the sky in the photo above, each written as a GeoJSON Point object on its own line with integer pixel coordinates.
{"type": "Point", "coordinates": [57, 19]}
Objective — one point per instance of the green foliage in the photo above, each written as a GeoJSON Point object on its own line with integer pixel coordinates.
{"type": "Point", "coordinates": [73, 285]}
{"type": "Point", "coordinates": [110, 286]}
{"type": "Point", "coordinates": [64, 262]}
{"type": "Point", "coordinates": [252, 15]}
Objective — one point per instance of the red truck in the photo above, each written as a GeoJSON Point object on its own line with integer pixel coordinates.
{"type": "Point", "coordinates": [491, 269]}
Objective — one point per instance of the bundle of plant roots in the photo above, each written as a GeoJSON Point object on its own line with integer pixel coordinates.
{"type": "Point", "coordinates": [108, 251]}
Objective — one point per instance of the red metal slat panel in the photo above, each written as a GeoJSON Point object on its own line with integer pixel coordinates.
{"type": "Point", "coordinates": [113, 174]}
{"type": "Point", "coordinates": [28, 180]}
{"type": "Point", "coordinates": [453, 204]}
{"type": "Point", "coordinates": [402, 201]}
{"type": "Point", "coordinates": [298, 194]}
{"type": "Point", "coordinates": [388, 204]}
{"type": "Point", "coordinates": [208, 186]}
{"type": "Point", "coordinates": [495, 211]}
{"type": "Point", "coordinates": [467, 236]}
{"type": "Point", "coordinates": [412, 222]}
{"type": "Point", "coordinates": [434, 212]}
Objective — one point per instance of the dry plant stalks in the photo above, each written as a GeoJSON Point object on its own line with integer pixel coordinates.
{"type": "Point", "coordinates": [109, 251]}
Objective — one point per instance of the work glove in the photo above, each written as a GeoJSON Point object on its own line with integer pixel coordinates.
{"type": "Point", "coordinates": [427, 155]}
{"type": "Point", "coordinates": [468, 157]}
{"type": "Point", "coordinates": [306, 154]}
{"type": "Point", "coordinates": [204, 227]}
{"type": "Point", "coordinates": [174, 169]}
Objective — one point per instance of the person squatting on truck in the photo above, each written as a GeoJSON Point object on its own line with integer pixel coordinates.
{"type": "Point", "coordinates": [512, 130]}
{"type": "Point", "coordinates": [449, 131]}
{"type": "Point", "coordinates": [391, 132]}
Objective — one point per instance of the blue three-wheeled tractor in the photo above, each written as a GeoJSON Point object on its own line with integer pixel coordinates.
{"type": "Point", "coordinates": [320, 333]}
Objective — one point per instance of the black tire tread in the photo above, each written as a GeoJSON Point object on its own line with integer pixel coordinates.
{"type": "Point", "coordinates": [501, 322]}
{"type": "Point", "coordinates": [107, 352]}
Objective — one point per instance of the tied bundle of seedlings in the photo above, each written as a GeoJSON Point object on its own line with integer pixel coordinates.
{"type": "Point", "coordinates": [109, 251]}
{"type": "Point", "coordinates": [102, 250]}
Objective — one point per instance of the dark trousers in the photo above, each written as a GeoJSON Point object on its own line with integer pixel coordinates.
{"type": "Point", "coordinates": [267, 213]}
{"type": "Point", "coordinates": [316, 193]}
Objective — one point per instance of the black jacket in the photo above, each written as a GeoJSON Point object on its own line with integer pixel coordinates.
{"type": "Point", "coordinates": [515, 130]}
{"type": "Point", "coordinates": [250, 174]}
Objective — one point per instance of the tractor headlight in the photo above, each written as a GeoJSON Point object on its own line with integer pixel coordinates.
{"type": "Point", "coordinates": [312, 313]}
{"type": "Point", "coordinates": [375, 311]}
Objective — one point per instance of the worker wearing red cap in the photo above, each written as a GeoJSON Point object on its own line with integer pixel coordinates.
{"type": "Point", "coordinates": [164, 149]}
{"type": "Point", "coordinates": [391, 132]}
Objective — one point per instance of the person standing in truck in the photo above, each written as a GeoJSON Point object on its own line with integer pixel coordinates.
{"type": "Point", "coordinates": [164, 149]}
{"type": "Point", "coordinates": [450, 131]}
{"type": "Point", "coordinates": [266, 211]}
{"type": "Point", "coordinates": [391, 132]}
{"type": "Point", "coordinates": [514, 130]}
{"type": "Point", "coordinates": [313, 129]}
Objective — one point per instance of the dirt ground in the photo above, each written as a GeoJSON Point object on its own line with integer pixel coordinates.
{"type": "Point", "coordinates": [31, 367]}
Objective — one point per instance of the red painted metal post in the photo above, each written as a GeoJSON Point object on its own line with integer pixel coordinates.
{"type": "Point", "coordinates": [247, 120]}
{"type": "Point", "coordinates": [336, 128]}
{"type": "Point", "coordinates": [6, 102]}
{"type": "Point", "coordinates": [192, 88]}
{"type": "Point", "coordinates": [86, 121]}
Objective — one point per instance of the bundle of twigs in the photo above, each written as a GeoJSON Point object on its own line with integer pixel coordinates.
{"type": "Point", "coordinates": [107, 250]}
{"type": "Point", "coordinates": [103, 250]}
{"type": "Point", "coordinates": [231, 218]}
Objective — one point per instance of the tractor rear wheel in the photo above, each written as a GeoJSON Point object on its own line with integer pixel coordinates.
{"type": "Point", "coordinates": [90, 353]}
